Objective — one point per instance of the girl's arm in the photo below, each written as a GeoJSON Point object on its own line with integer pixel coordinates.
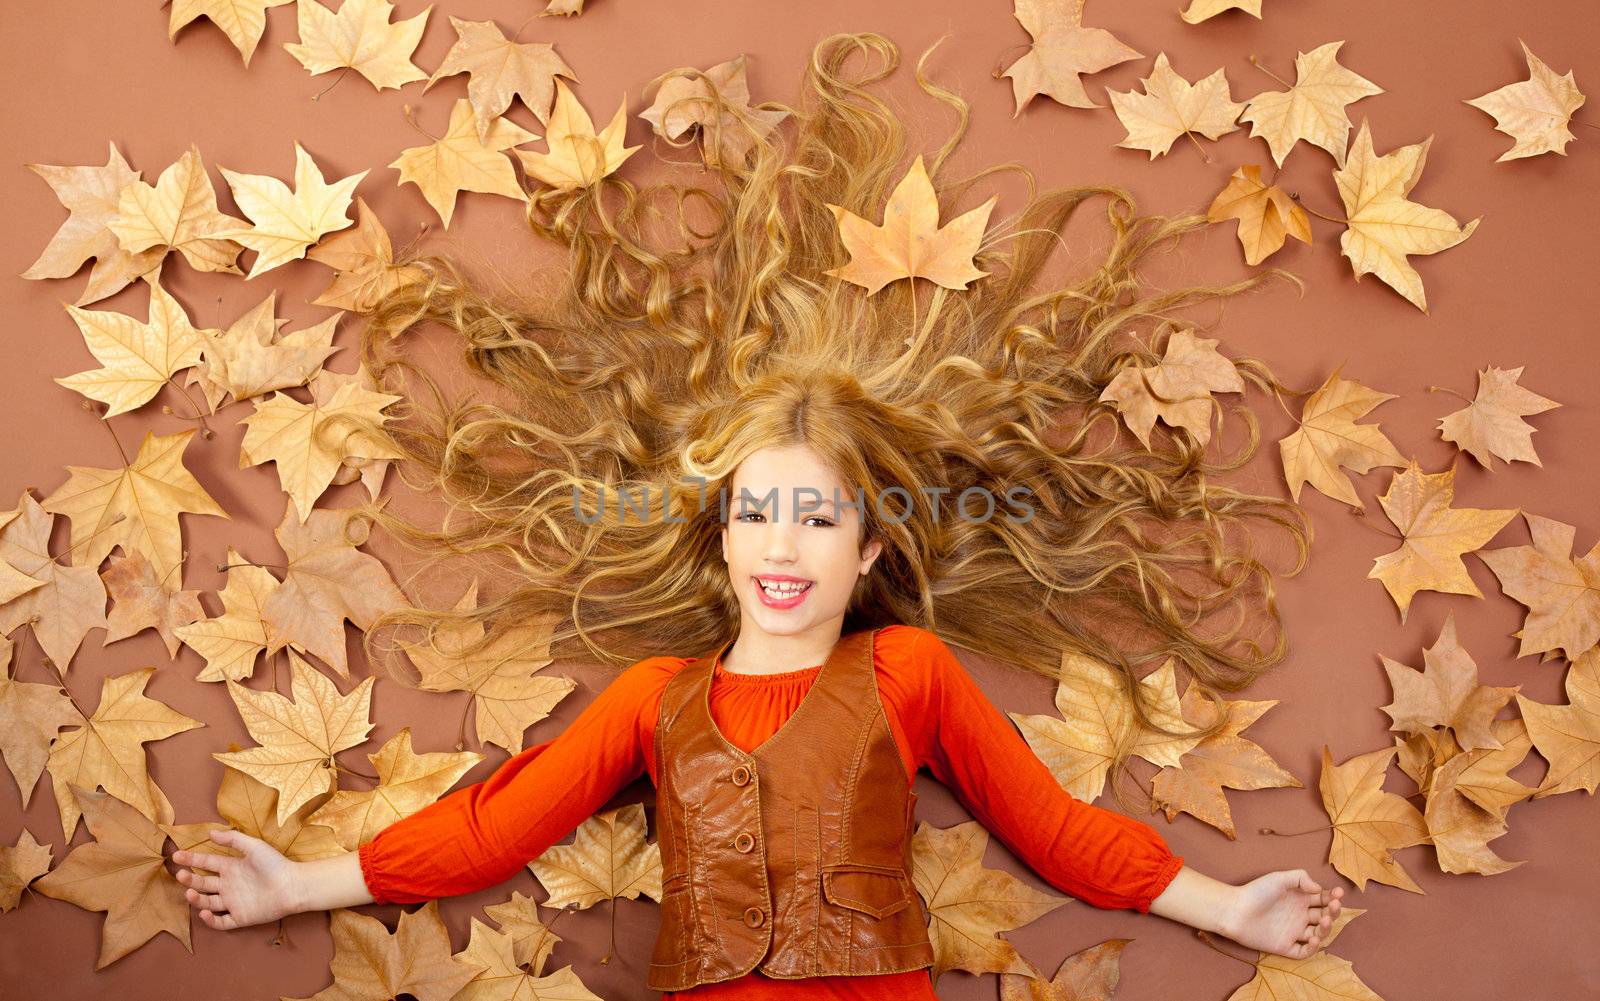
{"type": "Point", "coordinates": [1097, 855]}
{"type": "Point", "coordinates": [475, 837]}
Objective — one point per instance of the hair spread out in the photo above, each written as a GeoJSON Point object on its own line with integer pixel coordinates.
{"type": "Point", "coordinates": [671, 352]}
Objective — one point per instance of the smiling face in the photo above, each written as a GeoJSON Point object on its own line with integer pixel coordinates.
{"type": "Point", "coordinates": [805, 550]}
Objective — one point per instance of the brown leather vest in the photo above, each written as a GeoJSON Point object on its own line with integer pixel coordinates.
{"type": "Point", "coordinates": [795, 857]}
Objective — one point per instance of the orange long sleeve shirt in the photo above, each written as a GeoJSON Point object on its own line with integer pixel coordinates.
{"type": "Point", "coordinates": [485, 833]}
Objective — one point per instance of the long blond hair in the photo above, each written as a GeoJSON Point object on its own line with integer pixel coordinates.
{"type": "Point", "coordinates": [667, 357]}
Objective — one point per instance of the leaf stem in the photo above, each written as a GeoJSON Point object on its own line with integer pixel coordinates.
{"type": "Point", "coordinates": [318, 95]}
{"type": "Point", "coordinates": [1446, 389]}
{"type": "Point", "coordinates": [1320, 215]}
{"type": "Point", "coordinates": [1257, 64]}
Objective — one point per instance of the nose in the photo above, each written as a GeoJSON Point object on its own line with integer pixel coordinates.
{"type": "Point", "coordinates": [778, 545]}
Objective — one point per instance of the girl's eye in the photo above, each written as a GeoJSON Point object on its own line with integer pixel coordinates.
{"type": "Point", "coordinates": [815, 517]}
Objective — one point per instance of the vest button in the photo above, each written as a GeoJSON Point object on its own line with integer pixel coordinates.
{"type": "Point", "coordinates": [753, 916]}
{"type": "Point", "coordinates": [744, 842]}
{"type": "Point", "coordinates": [741, 775]}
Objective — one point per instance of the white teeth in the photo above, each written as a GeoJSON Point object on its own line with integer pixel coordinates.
{"type": "Point", "coordinates": [782, 590]}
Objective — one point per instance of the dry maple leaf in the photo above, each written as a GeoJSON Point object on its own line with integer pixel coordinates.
{"type": "Point", "coordinates": [328, 580]}
{"type": "Point", "coordinates": [1536, 111]}
{"type": "Point", "coordinates": [1383, 226]}
{"type": "Point", "coordinates": [298, 739]}
{"type": "Point", "coordinates": [729, 127]}
{"type": "Point", "coordinates": [1459, 826]}
{"type": "Point", "coordinates": [1569, 736]}
{"type": "Point", "coordinates": [107, 750]}
{"type": "Point", "coordinates": [1368, 823]}
{"type": "Point", "coordinates": [13, 582]}
{"type": "Point", "coordinates": [460, 161]}
{"type": "Point", "coordinates": [122, 872]}
{"type": "Point", "coordinates": [309, 441]}
{"type": "Point", "coordinates": [969, 905]}
{"type": "Point", "coordinates": [370, 963]}
{"type": "Point", "coordinates": [69, 600]}
{"type": "Point", "coordinates": [21, 864]}
{"type": "Point", "coordinates": [1329, 437]}
{"type": "Point", "coordinates": [407, 782]}
{"type": "Point", "coordinates": [1492, 424]}
{"type": "Point", "coordinates": [1445, 693]}
{"type": "Point", "coordinates": [911, 243]}
{"type": "Point", "coordinates": [508, 696]}
{"type": "Point", "coordinates": [91, 196]}
{"type": "Point", "coordinates": [578, 157]}
{"type": "Point", "coordinates": [370, 470]}
{"type": "Point", "coordinates": [179, 212]}
{"type": "Point", "coordinates": [252, 807]}
{"type": "Point", "coordinates": [141, 600]}
{"type": "Point", "coordinates": [1435, 536]}
{"type": "Point", "coordinates": [1313, 108]}
{"type": "Point", "coordinates": [283, 222]}
{"type": "Point", "coordinates": [1090, 974]}
{"type": "Point", "coordinates": [1171, 106]}
{"type": "Point", "coordinates": [1226, 760]}
{"type": "Point", "coordinates": [1321, 976]}
{"type": "Point", "coordinates": [1079, 746]}
{"type": "Point", "coordinates": [230, 642]}
{"type": "Point", "coordinates": [359, 36]}
{"type": "Point", "coordinates": [1200, 10]}
{"type": "Point", "coordinates": [364, 261]}
{"type": "Point", "coordinates": [503, 979]}
{"type": "Point", "coordinates": [1480, 775]}
{"type": "Point", "coordinates": [253, 356]}
{"type": "Point", "coordinates": [1562, 594]}
{"type": "Point", "coordinates": [136, 359]}
{"type": "Point", "coordinates": [608, 858]}
{"type": "Point", "coordinates": [243, 21]}
{"type": "Point", "coordinates": [564, 8]}
{"type": "Point", "coordinates": [499, 69]}
{"type": "Point", "coordinates": [147, 495]}
{"type": "Point", "coordinates": [531, 939]}
{"type": "Point", "coordinates": [1063, 50]}
{"type": "Point", "coordinates": [1177, 389]}
{"type": "Point", "coordinates": [30, 717]}
{"type": "Point", "coordinates": [1266, 214]}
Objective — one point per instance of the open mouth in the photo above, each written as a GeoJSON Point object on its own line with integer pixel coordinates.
{"type": "Point", "coordinates": [781, 593]}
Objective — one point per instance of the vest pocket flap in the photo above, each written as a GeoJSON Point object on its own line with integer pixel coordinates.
{"type": "Point", "coordinates": [877, 890]}
{"type": "Point", "coordinates": [675, 883]}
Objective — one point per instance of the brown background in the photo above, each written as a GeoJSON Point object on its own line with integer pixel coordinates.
{"type": "Point", "coordinates": [1520, 292]}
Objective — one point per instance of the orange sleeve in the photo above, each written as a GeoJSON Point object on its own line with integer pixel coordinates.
{"type": "Point", "coordinates": [1102, 857]}
{"type": "Point", "coordinates": [483, 834]}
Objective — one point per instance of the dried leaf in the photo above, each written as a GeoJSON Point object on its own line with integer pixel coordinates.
{"type": "Point", "coordinates": [230, 642]}
{"type": "Point", "coordinates": [107, 750]}
{"type": "Point", "coordinates": [21, 864]}
{"type": "Point", "coordinates": [969, 905]}
{"type": "Point", "coordinates": [1562, 593]}
{"type": "Point", "coordinates": [407, 782]}
{"type": "Point", "coordinates": [1313, 108]}
{"type": "Point", "coordinates": [67, 602]}
{"type": "Point", "coordinates": [359, 36]}
{"type": "Point", "coordinates": [1383, 226]}
{"type": "Point", "coordinates": [91, 196]}
{"type": "Point", "coordinates": [31, 715]}
{"type": "Point", "coordinates": [1368, 823]}
{"type": "Point", "coordinates": [283, 222]}
{"type": "Point", "coordinates": [1090, 974]}
{"type": "Point", "coordinates": [1536, 111]}
{"type": "Point", "coordinates": [364, 260]}
{"type": "Point", "coordinates": [1329, 438]}
{"type": "Point", "coordinates": [141, 601]}
{"type": "Point", "coordinates": [1177, 389]}
{"type": "Point", "coordinates": [727, 129]}
{"type": "Point", "coordinates": [123, 873]}
{"type": "Point", "coordinates": [1445, 693]}
{"type": "Point", "coordinates": [1063, 50]}
{"type": "Point", "coordinates": [507, 695]}
{"type": "Point", "coordinates": [1435, 536]}
{"type": "Point", "coordinates": [252, 807]}
{"type": "Point", "coordinates": [1226, 760]}
{"type": "Point", "coordinates": [911, 243]}
{"type": "Point", "coordinates": [460, 161]}
{"type": "Point", "coordinates": [1200, 10]}
{"type": "Point", "coordinates": [178, 213]}
{"type": "Point", "coordinates": [1492, 424]}
{"type": "Point", "coordinates": [608, 858]}
{"type": "Point", "coordinates": [578, 157]}
{"type": "Point", "coordinates": [136, 358]}
{"type": "Point", "coordinates": [135, 506]}
{"type": "Point", "coordinates": [298, 739]}
{"type": "Point", "coordinates": [1569, 736]}
{"type": "Point", "coordinates": [253, 356]}
{"type": "Point", "coordinates": [1266, 214]}
{"type": "Point", "coordinates": [1171, 106]}
{"type": "Point", "coordinates": [243, 21]}
{"type": "Point", "coordinates": [369, 962]}
{"type": "Point", "coordinates": [499, 69]}
{"type": "Point", "coordinates": [1322, 976]}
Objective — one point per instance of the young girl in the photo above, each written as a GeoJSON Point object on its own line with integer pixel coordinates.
{"type": "Point", "coordinates": [833, 484]}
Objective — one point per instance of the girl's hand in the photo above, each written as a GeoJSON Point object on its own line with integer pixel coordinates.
{"type": "Point", "coordinates": [1283, 912]}
{"type": "Point", "coordinates": [262, 886]}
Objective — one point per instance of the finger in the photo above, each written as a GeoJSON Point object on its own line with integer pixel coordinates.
{"type": "Point", "coordinates": [1307, 883]}
{"type": "Point", "coordinates": [205, 884]}
{"type": "Point", "coordinates": [201, 860]}
{"type": "Point", "coordinates": [221, 922]}
{"type": "Point", "coordinates": [209, 901]}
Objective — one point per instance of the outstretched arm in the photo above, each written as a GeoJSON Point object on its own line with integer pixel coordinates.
{"type": "Point", "coordinates": [1100, 856]}
{"type": "Point", "coordinates": [475, 837]}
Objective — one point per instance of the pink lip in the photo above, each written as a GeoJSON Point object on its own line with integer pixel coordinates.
{"type": "Point", "coordinates": [780, 603]}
